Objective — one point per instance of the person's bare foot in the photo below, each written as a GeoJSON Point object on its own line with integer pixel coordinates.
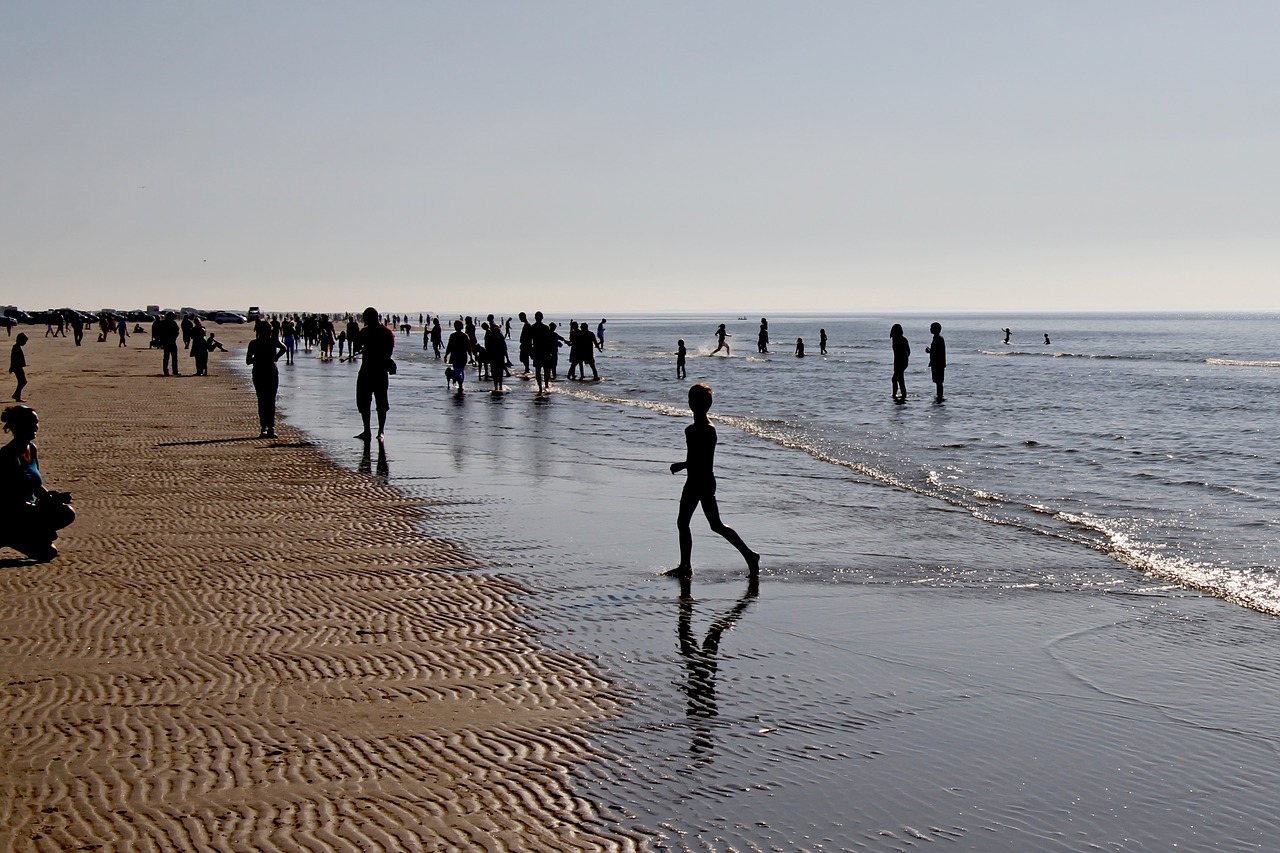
{"type": "Point", "coordinates": [679, 572]}
{"type": "Point", "coordinates": [364, 436]}
{"type": "Point", "coordinates": [753, 564]}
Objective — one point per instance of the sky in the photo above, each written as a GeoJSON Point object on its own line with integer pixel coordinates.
{"type": "Point", "coordinates": [649, 157]}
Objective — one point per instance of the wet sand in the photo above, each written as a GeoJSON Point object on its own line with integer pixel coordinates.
{"type": "Point", "coordinates": [243, 647]}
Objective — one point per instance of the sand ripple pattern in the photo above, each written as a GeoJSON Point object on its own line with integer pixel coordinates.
{"type": "Point", "coordinates": [244, 648]}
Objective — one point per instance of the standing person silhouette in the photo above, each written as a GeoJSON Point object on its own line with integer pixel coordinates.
{"type": "Point", "coordinates": [822, 342]}
{"type": "Point", "coordinates": [901, 354]}
{"type": "Point", "coordinates": [721, 334]}
{"type": "Point", "coordinates": [799, 347]}
{"type": "Point", "coordinates": [1008, 333]}
{"type": "Point", "coordinates": [680, 353]}
{"type": "Point", "coordinates": [600, 336]}
{"type": "Point", "coordinates": [457, 353]}
{"type": "Point", "coordinates": [166, 331]}
{"type": "Point", "coordinates": [376, 344]}
{"type": "Point", "coordinates": [263, 353]}
{"type": "Point", "coordinates": [18, 364]}
{"type": "Point", "coordinates": [762, 340]}
{"type": "Point", "coordinates": [700, 485]}
{"type": "Point", "coordinates": [937, 350]}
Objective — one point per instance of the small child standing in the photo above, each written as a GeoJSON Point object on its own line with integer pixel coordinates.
{"type": "Point", "coordinates": [700, 485]}
{"type": "Point", "coordinates": [937, 350]}
{"type": "Point", "coordinates": [680, 374]}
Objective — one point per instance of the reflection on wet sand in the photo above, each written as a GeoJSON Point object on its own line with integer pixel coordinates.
{"type": "Point", "coordinates": [701, 664]}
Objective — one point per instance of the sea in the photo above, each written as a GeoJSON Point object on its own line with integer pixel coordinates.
{"type": "Point", "coordinates": [1036, 615]}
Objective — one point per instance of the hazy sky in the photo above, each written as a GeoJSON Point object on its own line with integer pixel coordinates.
{"type": "Point", "coordinates": [648, 156]}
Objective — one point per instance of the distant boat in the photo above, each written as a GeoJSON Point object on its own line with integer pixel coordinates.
{"type": "Point", "coordinates": [742, 318]}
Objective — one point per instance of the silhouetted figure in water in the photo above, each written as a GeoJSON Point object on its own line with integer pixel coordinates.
{"type": "Point", "coordinates": [1046, 339]}
{"type": "Point", "coordinates": [721, 334]}
{"type": "Point", "coordinates": [542, 349]}
{"type": "Point", "coordinates": [822, 342]}
{"type": "Point", "coordinates": [495, 350]}
{"type": "Point", "coordinates": [937, 350]}
{"type": "Point", "coordinates": [437, 337]}
{"type": "Point", "coordinates": [680, 353]}
{"type": "Point", "coordinates": [701, 661]}
{"type": "Point", "coordinates": [901, 354]}
{"type": "Point", "coordinates": [263, 353]}
{"type": "Point", "coordinates": [799, 347]}
{"type": "Point", "coordinates": [377, 342]}
{"type": "Point", "coordinates": [600, 337]}
{"type": "Point", "coordinates": [1007, 334]}
{"type": "Point", "coordinates": [18, 364]}
{"type": "Point", "coordinates": [30, 515]}
{"type": "Point", "coordinates": [457, 353]}
{"type": "Point", "coordinates": [526, 341]}
{"type": "Point", "coordinates": [700, 485]}
{"type": "Point", "coordinates": [762, 342]}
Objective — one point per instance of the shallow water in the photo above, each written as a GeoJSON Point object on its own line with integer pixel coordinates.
{"type": "Point", "coordinates": [974, 625]}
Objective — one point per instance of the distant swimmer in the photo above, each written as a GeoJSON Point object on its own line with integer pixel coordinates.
{"type": "Point", "coordinates": [700, 485]}
{"type": "Point", "coordinates": [721, 334]}
{"type": "Point", "coordinates": [937, 350]}
{"type": "Point", "coordinates": [680, 351]}
{"type": "Point", "coordinates": [799, 347]}
{"type": "Point", "coordinates": [1046, 339]}
{"type": "Point", "coordinates": [822, 342]}
{"type": "Point", "coordinates": [762, 342]}
{"type": "Point", "coordinates": [1008, 333]}
{"type": "Point", "coordinates": [901, 354]}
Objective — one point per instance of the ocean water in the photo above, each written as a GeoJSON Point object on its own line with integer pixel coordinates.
{"type": "Point", "coordinates": [1038, 615]}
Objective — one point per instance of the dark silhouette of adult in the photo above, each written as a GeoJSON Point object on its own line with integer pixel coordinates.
{"type": "Point", "coordinates": [702, 660]}
{"type": "Point", "coordinates": [30, 514]}
{"type": "Point", "coordinates": [263, 352]}
{"type": "Point", "coordinates": [77, 328]}
{"type": "Point", "coordinates": [901, 355]}
{"type": "Point", "coordinates": [457, 353]}
{"type": "Point", "coordinates": [542, 345]}
{"type": "Point", "coordinates": [762, 340]}
{"type": "Point", "coordinates": [495, 350]}
{"type": "Point", "coordinates": [700, 485]}
{"type": "Point", "coordinates": [822, 342]}
{"type": "Point", "coordinates": [18, 364]}
{"type": "Point", "coordinates": [526, 341]}
{"type": "Point", "coordinates": [937, 350]}
{"type": "Point", "coordinates": [376, 344]}
{"type": "Point", "coordinates": [166, 333]}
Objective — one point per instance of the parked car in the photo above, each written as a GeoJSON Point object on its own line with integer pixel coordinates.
{"type": "Point", "coordinates": [19, 316]}
{"type": "Point", "coordinates": [224, 317]}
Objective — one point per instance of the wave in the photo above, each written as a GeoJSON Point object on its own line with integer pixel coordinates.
{"type": "Point", "coordinates": [1042, 354]}
{"type": "Point", "coordinates": [1255, 589]}
{"type": "Point", "coordinates": [1231, 362]}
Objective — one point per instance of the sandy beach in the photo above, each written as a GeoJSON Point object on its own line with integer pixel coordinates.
{"type": "Point", "coordinates": [242, 647]}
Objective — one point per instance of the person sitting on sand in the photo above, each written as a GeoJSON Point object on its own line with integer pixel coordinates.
{"type": "Point", "coordinates": [30, 515]}
{"type": "Point", "coordinates": [700, 485]}
{"type": "Point", "coordinates": [721, 334]}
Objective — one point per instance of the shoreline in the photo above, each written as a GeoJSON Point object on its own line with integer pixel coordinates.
{"type": "Point", "coordinates": [242, 641]}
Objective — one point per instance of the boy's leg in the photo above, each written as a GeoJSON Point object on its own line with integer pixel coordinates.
{"type": "Point", "coordinates": [711, 509]}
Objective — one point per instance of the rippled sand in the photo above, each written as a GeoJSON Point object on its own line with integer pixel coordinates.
{"type": "Point", "coordinates": [242, 647]}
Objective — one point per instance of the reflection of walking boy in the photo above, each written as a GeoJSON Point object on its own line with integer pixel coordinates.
{"type": "Point", "coordinates": [937, 350]}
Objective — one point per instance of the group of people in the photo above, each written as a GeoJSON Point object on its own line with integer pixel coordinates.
{"type": "Point", "coordinates": [937, 351]}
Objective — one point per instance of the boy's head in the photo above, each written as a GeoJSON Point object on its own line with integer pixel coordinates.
{"type": "Point", "coordinates": [700, 398]}
{"type": "Point", "coordinates": [935, 328]}
{"type": "Point", "coordinates": [680, 342]}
